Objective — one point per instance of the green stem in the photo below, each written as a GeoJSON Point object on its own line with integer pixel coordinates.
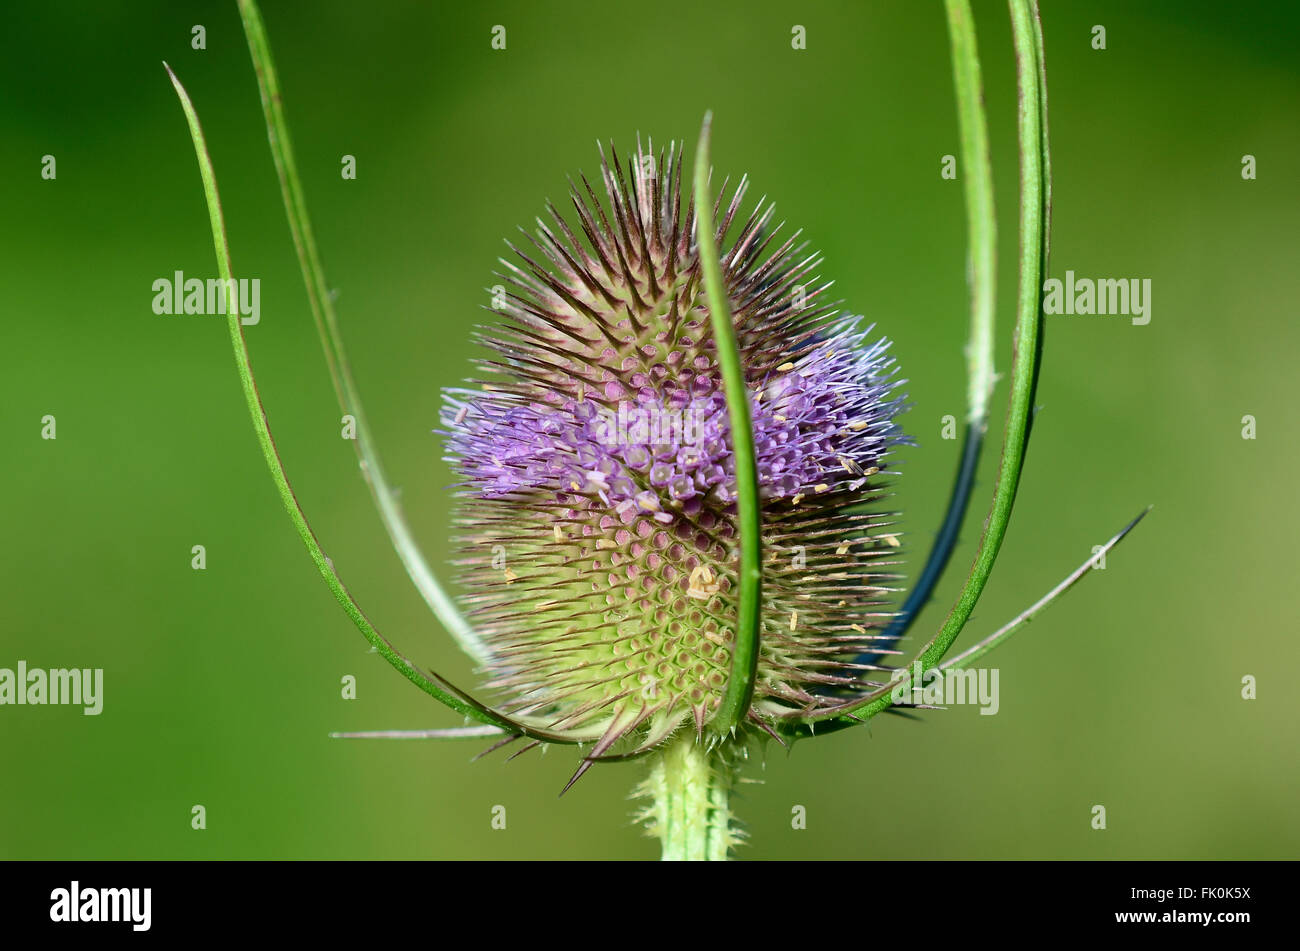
{"type": "Point", "coordinates": [689, 790]}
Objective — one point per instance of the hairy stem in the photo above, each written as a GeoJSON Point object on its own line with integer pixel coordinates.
{"type": "Point", "coordinates": [690, 789]}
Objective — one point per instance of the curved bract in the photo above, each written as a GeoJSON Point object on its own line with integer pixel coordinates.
{"type": "Point", "coordinates": [322, 309]}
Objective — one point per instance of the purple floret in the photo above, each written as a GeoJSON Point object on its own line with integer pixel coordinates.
{"type": "Point", "coordinates": [822, 424]}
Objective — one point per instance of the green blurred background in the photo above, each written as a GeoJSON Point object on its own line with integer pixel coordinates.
{"type": "Point", "coordinates": [221, 685]}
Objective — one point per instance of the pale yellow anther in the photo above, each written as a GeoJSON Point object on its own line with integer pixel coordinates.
{"type": "Point", "coordinates": [701, 585]}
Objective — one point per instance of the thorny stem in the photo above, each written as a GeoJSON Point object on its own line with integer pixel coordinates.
{"type": "Point", "coordinates": [689, 789]}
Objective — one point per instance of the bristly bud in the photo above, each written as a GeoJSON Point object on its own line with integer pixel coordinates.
{"type": "Point", "coordinates": [597, 507]}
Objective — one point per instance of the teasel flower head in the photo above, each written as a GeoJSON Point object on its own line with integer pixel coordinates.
{"type": "Point", "coordinates": [597, 501]}
{"type": "Point", "coordinates": [672, 472]}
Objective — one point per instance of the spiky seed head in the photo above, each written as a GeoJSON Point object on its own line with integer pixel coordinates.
{"type": "Point", "coordinates": [596, 512]}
